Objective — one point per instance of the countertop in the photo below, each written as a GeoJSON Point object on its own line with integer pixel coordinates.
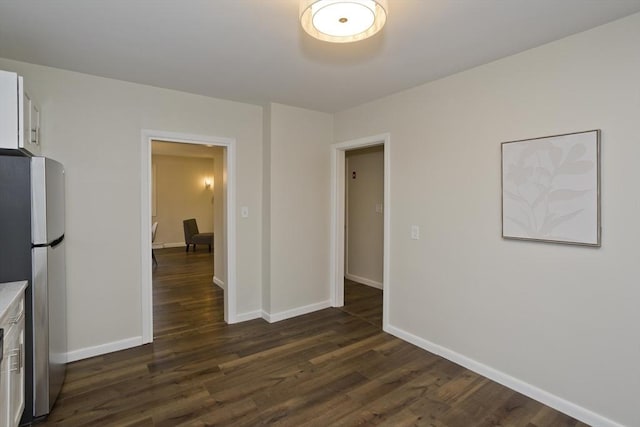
{"type": "Point", "coordinates": [9, 293]}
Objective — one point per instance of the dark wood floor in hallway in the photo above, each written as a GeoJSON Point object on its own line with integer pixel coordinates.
{"type": "Point", "coordinates": [331, 367]}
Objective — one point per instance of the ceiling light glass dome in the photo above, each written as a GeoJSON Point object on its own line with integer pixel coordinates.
{"type": "Point", "coordinates": [343, 21]}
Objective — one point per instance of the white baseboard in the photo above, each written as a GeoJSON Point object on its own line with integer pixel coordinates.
{"type": "Point", "coordinates": [363, 280]}
{"type": "Point", "coordinates": [174, 245]}
{"type": "Point", "coordinates": [298, 311]}
{"type": "Point", "coordinates": [558, 403]}
{"type": "Point", "coordinates": [219, 282]}
{"type": "Point", "coordinates": [243, 317]}
{"type": "Point", "coordinates": [98, 350]}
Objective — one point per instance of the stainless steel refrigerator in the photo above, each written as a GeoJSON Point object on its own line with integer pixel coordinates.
{"type": "Point", "coordinates": [32, 247]}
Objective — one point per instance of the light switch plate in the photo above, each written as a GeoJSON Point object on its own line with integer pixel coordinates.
{"type": "Point", "coordinates": [244, 212]}
{"type": "Point", "coordinates": [415, 232]}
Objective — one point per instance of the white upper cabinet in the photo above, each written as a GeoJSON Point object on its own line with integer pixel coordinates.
{"type": "Point", "coordinates": [19, 116]}
{"type": "Point", "coordinates": [34, 124]}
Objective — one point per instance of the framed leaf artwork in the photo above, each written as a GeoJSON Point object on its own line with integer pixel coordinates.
{"type": "Point", "coordinates": [551, 189]}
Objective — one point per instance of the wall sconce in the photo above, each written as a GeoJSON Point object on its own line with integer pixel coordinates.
{"type": "Point", "coordinates": [208, 182]}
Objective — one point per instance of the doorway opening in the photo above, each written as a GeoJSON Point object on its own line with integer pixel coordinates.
{"type": "Point", "coordinates": [187, 214]}
{"type": "Point", "coordinates": [364, 233]}
{"type": "Point", "coordinates": [217, 185]}
{"type": "Point", "coordinates": [339, 252]}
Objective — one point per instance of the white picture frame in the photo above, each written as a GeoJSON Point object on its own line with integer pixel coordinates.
{"type": "Point", "coordinates": [551, 189]}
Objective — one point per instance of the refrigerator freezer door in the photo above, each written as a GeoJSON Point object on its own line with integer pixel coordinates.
{"type": "Point", "coordinates": [50, 326]}
{"type": "Point", "coordinates": [47, 200]}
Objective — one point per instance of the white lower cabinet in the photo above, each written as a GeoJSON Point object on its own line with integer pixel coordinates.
{"type": "Point", "coordinates": [12, 379]}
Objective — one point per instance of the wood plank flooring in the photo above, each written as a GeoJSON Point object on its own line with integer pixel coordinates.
{"type": "Point", "coordinates": [332, 367]}
{"type": "Point", "coordinates": [363, 301]}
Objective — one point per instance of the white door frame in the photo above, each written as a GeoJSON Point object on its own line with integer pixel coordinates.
{"type": "Point", "coordinates": [338, 217]}
{"type": "Point", "coordinates": [145, 222]}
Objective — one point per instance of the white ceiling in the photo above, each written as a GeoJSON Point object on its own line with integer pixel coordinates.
{"type": "Point", "coordinates": [255, 51]}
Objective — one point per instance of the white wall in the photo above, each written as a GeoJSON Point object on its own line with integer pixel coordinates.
{"type": "Point", "coordinates": [181, 194]}
{"type": "Point", "coordinates": [560, 318]}
{"type": "Point", "coordinates": [93, 126]}
{"type": "Point", "coordinates": [365, 225]}
{"type": "Point", "coordinates": [299, 210]}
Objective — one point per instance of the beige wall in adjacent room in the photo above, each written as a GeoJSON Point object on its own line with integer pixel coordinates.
{"type": "Point", "coordinates": [556, 319]}
{"type": "Point", "coordinates": [365, 220]}
{"type": "Point", "coordinates": [181, 194]}
{"type": "Point", "coordinates": [220, 215]}
{"type": "Point", "coordinates": [93, 126]}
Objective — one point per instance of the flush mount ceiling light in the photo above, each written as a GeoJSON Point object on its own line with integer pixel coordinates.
{"type": "Point", "coordinates": [343, 21]}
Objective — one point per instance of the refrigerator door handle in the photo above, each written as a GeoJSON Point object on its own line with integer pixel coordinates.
{"type": "Point", "coordinates": [57, 241]}
{"type": "Point", "coordinates": [52, 244]}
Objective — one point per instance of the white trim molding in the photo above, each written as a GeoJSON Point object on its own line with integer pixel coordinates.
{"type": "Point", "coordinates": [147, 135]}
{"type": "Point", "coordinates": [363, 280]}
{"type": "Point", "coordinates": [174, 245]}
{"type": "Point", "coordinates": [222, 286]}
{"type": "Point", "coordinates": [549, 399]}
{"type": "Point", "coordinates": [110, 347]}
{"type": "Point", "coordinates": [294, 312]}
{"type": "Point", "coordinates": [336, 251]}
{"type": "Point", "coordinates": [251, 315]}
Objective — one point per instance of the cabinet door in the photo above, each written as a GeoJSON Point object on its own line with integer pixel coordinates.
{"type": "Point", "coordinates": [10, 110]}
{"type": "Point", "coordinates": [26, 119]}
{"type": "Point", "coordinates": [16, 371]}
{"type": "Point", "coordinates": [4, 390]}
{"type": "Point", "coordinates": [30, 124]}
{"type": "Point", "coordinates": [35, 124]}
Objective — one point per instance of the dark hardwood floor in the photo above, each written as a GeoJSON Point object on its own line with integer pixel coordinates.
{"type": "Point", "coordinates": [363, 301]}
{"type": "Point", "coordinates": [332, 367]}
